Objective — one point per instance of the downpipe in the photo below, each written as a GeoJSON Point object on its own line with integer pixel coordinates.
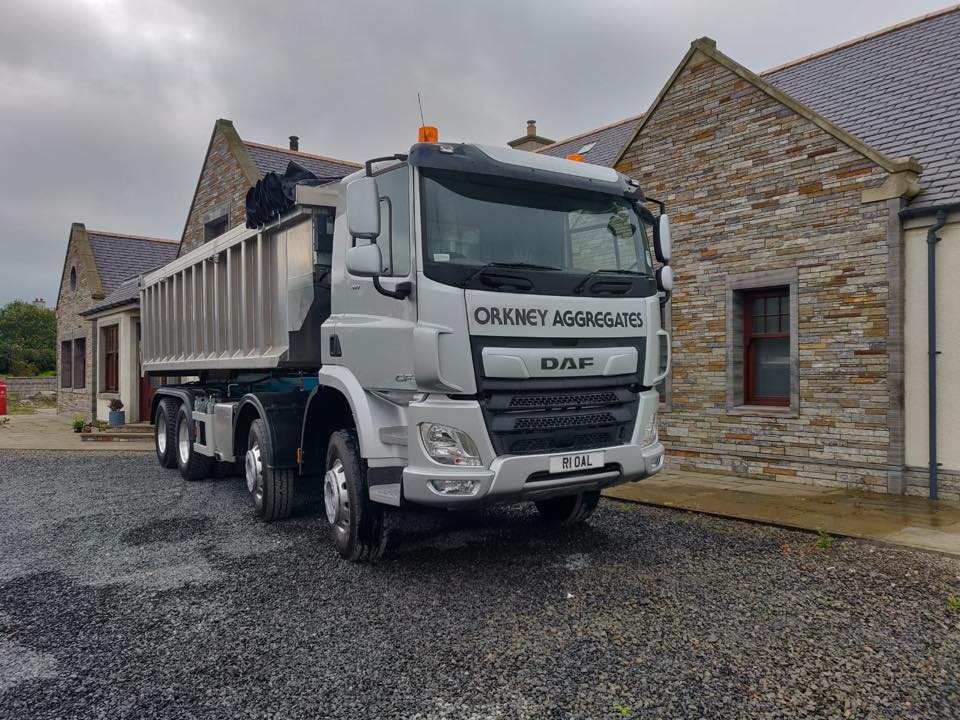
{"type": "Point", "coordinates": [932, 352]}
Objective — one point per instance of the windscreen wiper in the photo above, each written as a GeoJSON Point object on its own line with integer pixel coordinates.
{"type": "Point", "coordinates": [507, 265]}
{"type": "Point", "coordinates": [607, 271]}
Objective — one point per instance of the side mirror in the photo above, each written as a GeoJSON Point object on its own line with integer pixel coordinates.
{"type": "Point", "coordinates": [665, 279]}
{"type": "Point", "coordinates": [363, 209]}
{"type": "Point", "coordinates": [662, 242]}
{"type": "Point", "coordinates": [364, 260]}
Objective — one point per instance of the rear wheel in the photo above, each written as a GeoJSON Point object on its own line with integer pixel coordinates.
{"type": "Point", "coordinates": [569, 509]}
{"type": "Point", "coordinates": [164, 432]}
{"type": "Point", "coordinates": [271, 488]}
{"type": "Point", "coordinates": [356, 523]}
{"type": "Point", "coordinates": [192, 465]}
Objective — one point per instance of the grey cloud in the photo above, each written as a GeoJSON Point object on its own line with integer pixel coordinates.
{"type": "Point", "coordinates": [106, 107]}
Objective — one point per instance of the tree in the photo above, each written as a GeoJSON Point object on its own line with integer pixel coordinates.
{"type": "Point", "coordinates": [28, 339]}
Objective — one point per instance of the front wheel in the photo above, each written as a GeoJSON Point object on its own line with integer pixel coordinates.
{"type": "Point", "coordinates": [569, 509]}
{"type": "Point", "coordinates": [356, 523]}
{"type": "Point", "coordinates": [272, 488]}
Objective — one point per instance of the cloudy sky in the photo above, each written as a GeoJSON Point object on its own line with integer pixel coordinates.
{"type": "Point", "coordinates": [106, 106]}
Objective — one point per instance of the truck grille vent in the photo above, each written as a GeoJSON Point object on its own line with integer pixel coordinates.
{"type": "Point", "coordinates": [553, 422]}
{"type": "Point", "coordinates": [563, 400]}
{"type": "Point", "coordinates": [542, 420]}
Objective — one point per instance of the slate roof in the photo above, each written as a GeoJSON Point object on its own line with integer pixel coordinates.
{"type": "Point", "coordinates": [274, 159]}
{"type": "Point", "coordinates": [608, 142]}
{"type": "Point", "coordinates": [119, 257]}
{"type": "Point", "coordinates": [898, 91]}
{"type": "Point", "coordinates": [126, 293]}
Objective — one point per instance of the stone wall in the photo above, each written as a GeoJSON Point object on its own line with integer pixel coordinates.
{"type": "Point", "coordinates": [753, 186]}
{"type": "Point", "coordinates": [222, 187]}
{"type": "Point", "coordinates": [70, 324]}
{"type": "Point", "coordinates": [30, 386]}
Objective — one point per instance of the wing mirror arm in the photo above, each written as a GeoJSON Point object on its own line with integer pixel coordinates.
{"type": "Point", "coordinates": [402, 291]}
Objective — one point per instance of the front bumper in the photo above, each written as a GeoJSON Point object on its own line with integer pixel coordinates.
{"type": "Point", "coordinates": [510, 478]}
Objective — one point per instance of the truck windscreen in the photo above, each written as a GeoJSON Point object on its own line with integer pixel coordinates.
{"type": "Point", "coordinates": [471, 221]}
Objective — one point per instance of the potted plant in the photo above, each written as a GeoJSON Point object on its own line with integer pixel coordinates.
{"type": "Point", "coordinates": [78, 423]}
{"type": "Point", "coordinates": [116, 412]}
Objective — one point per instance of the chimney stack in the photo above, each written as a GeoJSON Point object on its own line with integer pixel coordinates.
{"type": "Point", "coordinates": [531, 141]}
{"type": "Point", "coordinates": [295, 143]}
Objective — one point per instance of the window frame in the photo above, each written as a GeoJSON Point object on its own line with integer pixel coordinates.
{"type": "Point", "coordinates": [79, 345]}
{"type": "Point", "coordinates": [111, 358]}
{"type": "Point", "coordinates": [738, 285]}
{"type": "Point", "coordinates": [66, 364]}
{"type": "Point", "coordinates": [749, 351]}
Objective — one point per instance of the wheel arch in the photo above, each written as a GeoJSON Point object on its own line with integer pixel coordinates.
{"type": "Point", "coordinates": [369, 413]}
{"type": "Point", "coordinates": [282, 415]}
{"type": "Point", "coordinates": [327, 411]}
{"type": "Point", "coordinates": [180, 394]}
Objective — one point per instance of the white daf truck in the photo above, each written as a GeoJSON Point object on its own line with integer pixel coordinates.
{"type": "Point", "coordinates": [458, 326]}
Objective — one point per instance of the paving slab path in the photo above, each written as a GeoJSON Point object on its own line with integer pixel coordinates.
{"type": "Point", "coordinates": [45, 430]}
{"type": "Point", "coordinates": [895, 519]}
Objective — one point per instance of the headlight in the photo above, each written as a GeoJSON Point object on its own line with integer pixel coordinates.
{"type": "Point", "coordinates": [448, 445]}
{"type": "Point", "coordinates": [650, 431]}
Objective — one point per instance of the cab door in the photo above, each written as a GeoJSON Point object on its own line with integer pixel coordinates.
{"type": "Point", "coordinates": [375, 332]}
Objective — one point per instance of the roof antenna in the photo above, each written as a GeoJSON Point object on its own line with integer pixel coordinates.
{"type": "Point", "coordinates": [426, 133]}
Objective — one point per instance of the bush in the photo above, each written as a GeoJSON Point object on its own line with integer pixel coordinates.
{"type": "Point", "coordinates": [116, 404]}
{"type": "Point", "coordinates": [28, 339]}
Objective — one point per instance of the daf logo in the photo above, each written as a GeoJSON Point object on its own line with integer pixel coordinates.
{"type": "Point", "coordinates": [566, 363]}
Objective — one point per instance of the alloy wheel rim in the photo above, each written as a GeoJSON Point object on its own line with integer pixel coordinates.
{"type": "Point", "coordinates": [335, 500]}
{"type": "Point", "coordinates": [162, 434]}
{"type": "Point", "coordinates": [253, 470]}
{"type": "Point", "coordinates": [183, 442]}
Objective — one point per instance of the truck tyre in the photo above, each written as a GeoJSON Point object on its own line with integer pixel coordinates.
{"type": "Point", "coordinates": [192, 465]}
{"type": "Point", "coordinates": [165, 433]}
{"type": "Point", "coordinates": [272, 488]}
{"type": "Point", "coordinates": [570, 508]}
{"type": "Point", "coordinates": [356, 523]}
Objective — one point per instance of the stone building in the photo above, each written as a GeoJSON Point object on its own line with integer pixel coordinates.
{"type": "Point", "coordinates": [98, 308]}
{"type": "Point", "coordinates": [801, 200]}
{"type": "Point", "coordinates": [231, 165]}
{"type": "Point", "coordinates": [90, 357]}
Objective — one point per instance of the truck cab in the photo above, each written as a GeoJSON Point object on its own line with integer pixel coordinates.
{"type": "Point", "coordinates": [493, 336]}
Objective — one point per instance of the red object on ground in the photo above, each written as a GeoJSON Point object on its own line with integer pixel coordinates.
{"type": "Point", "coordinates": [3, 397]}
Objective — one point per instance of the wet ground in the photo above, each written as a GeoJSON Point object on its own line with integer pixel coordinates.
{"type": "Point", "coordinates": [125, 592]}
{"type": "Point", "coordinates": [910, 521]}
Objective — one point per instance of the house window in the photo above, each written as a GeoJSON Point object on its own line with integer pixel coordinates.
{"type": "Point", "coordinates": [66, 364]}
{"type": "Point", "coordinates": [73, 279]}
{"type": "Point", "coordinates": [79, 363]}
{"type": "Point", "coordinates": [766, 346]}
{"type": "Point", "coordinates": [214, 228]}
{"type": "Point", "coordinates": [762, 343]}
{"type": "Point", "coordinates": [111, 359]}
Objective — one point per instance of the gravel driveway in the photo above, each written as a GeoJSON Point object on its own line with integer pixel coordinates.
{"type": "Point", "coordinates": [125, 592]}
